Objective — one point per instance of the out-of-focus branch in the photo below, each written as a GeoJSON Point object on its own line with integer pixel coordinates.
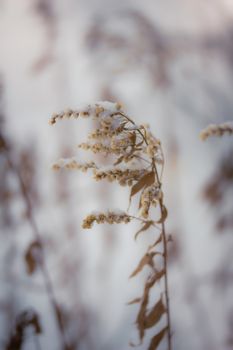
{"type": "Point", "coordinates": [6, 150]}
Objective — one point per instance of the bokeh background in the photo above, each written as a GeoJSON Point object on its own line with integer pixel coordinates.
{"type": "Point", "coordinates": [171, 65]}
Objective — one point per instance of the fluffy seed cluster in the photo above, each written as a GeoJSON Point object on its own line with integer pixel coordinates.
{"type": "Point", "coordinates": [111, 217]}
{"type": "Point", "coordinates": [134, 151]}
{"type": "Point", "coordinates": [99, 147]}
{"type": "Point", "coordinates": [124, 177]}
{"type": "Point", "coordinates": [150, 196]}
{"type": "Point", "coordinates": [217, 130]}
{"type": "Point", "coordinates": [121, 142]}
{"type": "Point", "coordinates": [153, 145]}
{"type": "Point", "coordinates": [153, 148]}
{"type": "Point", "coordinates": [102, 134]}
{"type": "Point", "coordinates": [73, 164]}
{"type": "Point", "coordinates": [99, 109]}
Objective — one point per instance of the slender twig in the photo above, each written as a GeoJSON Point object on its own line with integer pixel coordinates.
{"type": "Point", "coordinates": [166, 282]}
{"type": "Point", "coordinates": [48, 283]}
{"type": "Point", "coordinates": [165, 258]}
{"type": "Point", "coordinates": [164, 239]}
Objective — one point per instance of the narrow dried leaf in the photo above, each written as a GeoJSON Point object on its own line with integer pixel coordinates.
{"type": "Point", "coordinates": [59, 316]}
{"type": "Point", "coordinates": [134, 301]}
{"type": "Point", "coordinates": [159, 275]}
{"type": "Point", "coordinates": [36, 324]}
{"type": "Point", "coordinates": [119, 160]}
{"type": "Point", "coordinates": [140, 202]}
{"type": "Point", "coordinates": [24, 320]}
{"type": "Point", "coordinates": [121, 127]}
{"type": "Point", "coordinates": [132, 136]}
{"type": "Point", "coordinates": [158, 240]}
{"type": "Point", "coordinates": [146, 260]}
{"type": "Point", "coordinates": [144, 228]}
{"type": "Point", "coordinates": [155, 341]}
{"type": "Point", "coordinates": [163, 215]}
{"type": "Point", "coordinates": [141, 317]}
{"type": "Point", "coordinates": [31, 257]}
{"type": "Point", "coordinates": [145, 181]}
{"type": "Point", "coordinates": [140, 143]}
{"type": "Point", "coordinates": [155, 314]}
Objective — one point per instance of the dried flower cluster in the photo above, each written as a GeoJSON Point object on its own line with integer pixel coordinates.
{"type": "Point", "coordinates": [111, 218]}
{"type": "Point", "coordinates": [124, 177]}
{"type": "Point", "coordinates": [136, 160]}
{"type": "Point", "coordinates": [217, 130]}
{"type": "Point", "coordinates": [73, 164]}
{"type": "Point", "coordinates": [150, 196]}
{"type": "Point", "coordinates": [95, 110]}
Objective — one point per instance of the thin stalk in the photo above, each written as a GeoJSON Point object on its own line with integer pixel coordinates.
{"type": "Point", "coordinates": [165, 257]}
{"type": "Point", "coordinates": [166, 284]}
{"type": "Point", "coordinates": [35, 230]}
{"type": "Point", "coordinates": [164, 239]}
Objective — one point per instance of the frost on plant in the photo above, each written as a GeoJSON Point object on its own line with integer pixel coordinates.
{"type": "Point", "coordinates": [135, 160]}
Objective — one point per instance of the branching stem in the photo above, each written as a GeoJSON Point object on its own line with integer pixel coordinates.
{"type": "Point", "coordinates": [48, 283]}
{"type": "Point", "coordinates": [164, 240]}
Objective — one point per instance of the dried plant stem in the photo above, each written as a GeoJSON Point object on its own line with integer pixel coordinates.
{"type": "Point", "coordinates": [140, 156]}
{"type": "Point", "coordinates": [164, 241]}
{"type": "Point", "coordinates": [47, 280]}
{"type": "Point", "coordinates": [166, 284]}
{"type": "Point", "coordinates": [165, 259]}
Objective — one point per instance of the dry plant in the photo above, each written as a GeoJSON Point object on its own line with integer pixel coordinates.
{"type": "Point", "coordinates": [34, 256]}
{"type": "Point", "coordinates": [217, 130]}
{"type": "Point", "coordinates": [137, 161]}
{"type": "Point", "coordinates": [217, 193]}
{"type": "Point", "coordinates": [21, 165]}
{"type": "Point", "coordinates": [25, 320]}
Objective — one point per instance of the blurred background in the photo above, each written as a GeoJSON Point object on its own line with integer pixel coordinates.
{"type": "Point", "coordinates": [171, 65]}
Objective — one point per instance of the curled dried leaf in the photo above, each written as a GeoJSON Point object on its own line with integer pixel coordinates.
{"type": "Point", "coordinates": [59, 316]}
{"type": "Point", "coordinates": [163, 215]}
{"type": "Point", "coordinates": [132, 137]}
{"type": "Point", "coordinates": [144, 228]}
{"type": "Point", "coordinates": [33, 257]}
{"type": "Point", "coordinates": [134, 301]}
{"type": "Point", "coordinates": [119, 160]}
{"type": "Point", "coordinates": [25, 319]}
{"type": "Point", "coordinates": [158, 240]}
{"type": "Point", "coordinates": [155, 314]}
{"type": "Point", "coordinates": [155, 341]}
{"type": "Point", "coordinates": [141, 317]}
{"type": "Point", "coordinates": [146, 260]}
{"type": "Point", "coordinates": [146, 180]}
